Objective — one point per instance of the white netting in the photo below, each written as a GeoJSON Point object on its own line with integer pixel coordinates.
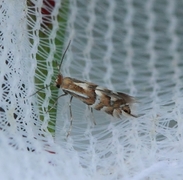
{"type": "Point", "coordinates": [132, 46]}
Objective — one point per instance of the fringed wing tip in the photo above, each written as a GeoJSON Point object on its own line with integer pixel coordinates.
{"type": "Point", "coordinates": [125, 111]}
{"type": "Point", "coordinates": [129, 99]}
{"type": "Point", "coordinates": [135, 116]}
{"type": "Point", "coordinates": [129, 114]}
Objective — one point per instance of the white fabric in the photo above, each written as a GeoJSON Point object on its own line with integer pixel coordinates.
{"type": "Point", "coordinates": [130, 46]}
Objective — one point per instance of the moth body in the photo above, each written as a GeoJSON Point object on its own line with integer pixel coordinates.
{"type": "Point", "coordinates": [101, 99]}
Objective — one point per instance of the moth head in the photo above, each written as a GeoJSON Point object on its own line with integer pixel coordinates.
{"type": "Point", "coordinates": [60, 77]}
{"type": "Point", "coordinates": [58, 81]}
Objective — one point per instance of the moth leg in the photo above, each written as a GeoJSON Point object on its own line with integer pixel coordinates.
{"type": "Point", "coordinates": [56, 101]}
{"type": "Point", "coordinates": [91, 110]}
{"type": "Point", "coordinates": [71, 119]}
{"type": "Point", "coordinates": [40, 90]}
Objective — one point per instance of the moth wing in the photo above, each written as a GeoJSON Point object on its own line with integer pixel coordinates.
{"type": "Point", "coordinates": [85, 84]}
{"type": "Point", "coordinates": [82, 85]}
{"type": "Point", "coordinates": [75, 93]}
{"type": "Point", "coordinates": [77, 81]}
{"type": "Point", "coordinates": [117, 95]}
{"type": "Point", "coordinates": [127, 98]}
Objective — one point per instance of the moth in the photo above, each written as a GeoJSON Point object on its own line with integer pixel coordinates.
{"type": "Point", "coordinates": [96, 97]}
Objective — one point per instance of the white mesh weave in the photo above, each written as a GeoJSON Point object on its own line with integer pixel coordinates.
{"type": "Point", "coordinates": [132, 46]}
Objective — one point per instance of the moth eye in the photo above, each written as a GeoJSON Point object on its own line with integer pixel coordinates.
{"type": "Point", "coordinates": [57, 85]}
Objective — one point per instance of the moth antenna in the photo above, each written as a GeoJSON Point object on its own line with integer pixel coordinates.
{"type": "Point", "coordinates": [64, 55]}
{"type": "Point", "coordinates": [40, 90]}
{"type": "Point", "coordinates": [57, 65]}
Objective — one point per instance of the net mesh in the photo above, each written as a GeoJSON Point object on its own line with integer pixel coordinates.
{"type": "Point", "coordinates": [131, 46]}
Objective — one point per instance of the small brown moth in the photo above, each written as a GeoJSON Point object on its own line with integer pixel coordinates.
{"type": "Point", "coordinates": [101, 99]}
